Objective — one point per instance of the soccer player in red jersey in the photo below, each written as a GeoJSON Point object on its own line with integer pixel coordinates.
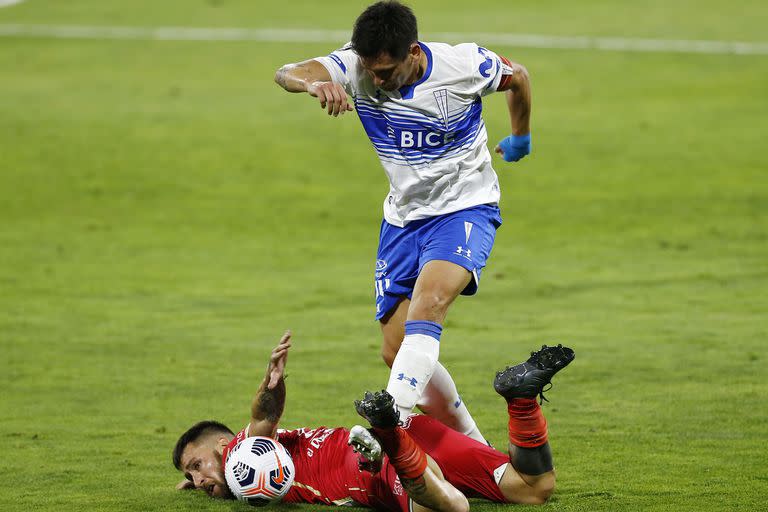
{"type": "Point", "coordinates": [417, 464]}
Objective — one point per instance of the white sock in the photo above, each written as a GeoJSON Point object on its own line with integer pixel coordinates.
{"type": "Point", "coordinates": [414, 364]}
{"type": "Point", "coordinates": [441, 401]}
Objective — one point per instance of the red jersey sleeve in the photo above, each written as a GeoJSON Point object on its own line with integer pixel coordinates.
{"type": "Point", "coordinates": [234, 442]}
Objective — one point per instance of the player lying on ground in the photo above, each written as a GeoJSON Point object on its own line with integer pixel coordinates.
{"type": "Point", "coordinates": [435, 465]}
{"type": "Point", "coordinates": [421, 104]}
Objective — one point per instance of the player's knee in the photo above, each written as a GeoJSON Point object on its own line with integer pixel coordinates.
{"type": "Point", "coordinates": [543, 490]}
{"type": "Point", "coordinates": [454, 501]}
{"type": "Point", "coordinates": [460, 503]}
{"type": "Point", "coordinates": [430, 305]}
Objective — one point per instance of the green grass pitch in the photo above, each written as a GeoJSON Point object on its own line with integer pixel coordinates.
{"type": "Point", "coordinates": [166, 211]}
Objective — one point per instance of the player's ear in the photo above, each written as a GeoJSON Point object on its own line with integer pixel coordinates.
{"type": "Point", "coordinates": [414, 51]}
{"type": "Point", "coordinates": [221, 443]}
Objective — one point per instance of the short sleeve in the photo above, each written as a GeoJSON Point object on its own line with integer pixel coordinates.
{"type": "Point", "coordinates": [342, 66]}
{"type": "Point", "coordinates": [485, 69]}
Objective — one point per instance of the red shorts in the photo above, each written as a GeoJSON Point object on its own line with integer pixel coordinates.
{"type": "Point", "coordinates": [467, 464]}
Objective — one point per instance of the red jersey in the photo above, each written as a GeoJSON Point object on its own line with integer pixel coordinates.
{"type": "Point", "coordinates": [225, 452]}
{"type": "Point", "coordinates": [326, 467]}
{"type": "Point", "coordinates": [327, 471]}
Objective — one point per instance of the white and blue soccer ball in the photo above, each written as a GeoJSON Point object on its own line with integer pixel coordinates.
{"type": "Point", "coordinates": [259, 470]}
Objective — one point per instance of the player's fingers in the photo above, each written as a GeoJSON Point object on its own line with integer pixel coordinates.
{"type": "Point", "coordinates": [278, 353]}
{"type": "Point", "coordinates": [328, 99]}
{"type": "Point", "coordinates": [321, 97]}
{"type": "Point", "coordinates": [333, 102]}
{"type": "Point", "coordinates": [498, 150]}
{"type": "Point", "coordinates": [341, 100]}
{"type": "Point", "coordinates": [344, 107]}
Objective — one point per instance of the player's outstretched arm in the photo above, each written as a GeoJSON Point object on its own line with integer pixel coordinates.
{"type": "Point", "coordinates": [311, 77]}
{"type": "Point", "coordinates": [517, 84]}
{"type": "Point", "coordinates": [269, 402]}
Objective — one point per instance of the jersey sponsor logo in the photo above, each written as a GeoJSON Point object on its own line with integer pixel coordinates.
{"type": "Point", "coordinates": [422, 138]}
{"type": "Point", "coordinates": [397, 487]}
{"type": "Point", "coordinates": [316, 438]}
{"type": "Point", "coordinates": [407, 136]}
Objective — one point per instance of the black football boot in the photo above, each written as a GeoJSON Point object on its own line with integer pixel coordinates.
{"type": "Point", "coordinates": [527, 379]}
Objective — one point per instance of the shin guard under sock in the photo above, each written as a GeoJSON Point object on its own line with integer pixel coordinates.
{"type": "Point", "coordinates": [528, 446]}
{"type": "Point", "coordinates": [414, 364]}
{"type": "Point", "coordinates": [408, 459]}
{"type": "Point", "coordinates": [527, 426]}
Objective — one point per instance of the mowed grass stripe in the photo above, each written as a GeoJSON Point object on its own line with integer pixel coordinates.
{"type": "Point", "coordinates": [284, 35]}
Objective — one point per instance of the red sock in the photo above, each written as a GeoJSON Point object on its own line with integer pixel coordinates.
{"type": "Point", "coordinates": [527, 426]}
{"type": "Point", "coordinates": [408, 459]}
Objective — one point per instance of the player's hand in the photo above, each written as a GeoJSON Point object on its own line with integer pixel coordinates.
{"type": "Point", "coordinates": [514, 147]}
{"type": "Point", "coordinates": [185, 485]}
{"type": "Point", "coordinates": [278, 359]}
{"type": "Point", "coordinates": [332, 97]}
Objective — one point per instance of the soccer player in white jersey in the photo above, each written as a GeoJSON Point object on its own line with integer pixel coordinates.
{"type": "Point", "coordinates": [420, 104]}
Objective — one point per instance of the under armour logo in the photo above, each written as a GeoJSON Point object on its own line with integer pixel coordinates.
{"type": "Point", "coordinates": [412, 381]}
{"type": "Point", "coordinates": [467, 253]}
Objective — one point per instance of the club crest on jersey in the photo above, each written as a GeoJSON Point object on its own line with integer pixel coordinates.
{"type": "Point", "coordinates": [441, 98]}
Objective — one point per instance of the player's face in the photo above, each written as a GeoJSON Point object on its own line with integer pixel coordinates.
{"type": "Point", "coordinates": [201, 464]}
{"type": "Point", "coordinates": [389, 74]}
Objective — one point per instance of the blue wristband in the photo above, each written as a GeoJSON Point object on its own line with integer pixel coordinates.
{"type": "Point", "coordinates": [515, 147]}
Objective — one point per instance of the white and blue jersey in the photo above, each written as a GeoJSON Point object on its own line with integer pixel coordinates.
{"type": "Point", "coordinates": [430, 136]}
{"type": "Point", "coordinates": [431, 140]}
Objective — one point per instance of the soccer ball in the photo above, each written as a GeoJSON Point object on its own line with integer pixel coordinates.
{"type": "Point", "coordinates": [259, 470]}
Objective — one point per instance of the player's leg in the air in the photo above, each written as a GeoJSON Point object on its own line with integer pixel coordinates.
{"type": "Point", "coordinates": [419, 475]}
{"type": "Point", "coordinates": [452, 250]}
{"type": "Point", "coordinates": [532, 476]}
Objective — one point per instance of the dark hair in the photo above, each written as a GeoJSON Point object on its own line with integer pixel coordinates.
{"type": "Point", "coordinates": [197, 431]}
{"type": "Point", "coordinates": [385, 27]}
